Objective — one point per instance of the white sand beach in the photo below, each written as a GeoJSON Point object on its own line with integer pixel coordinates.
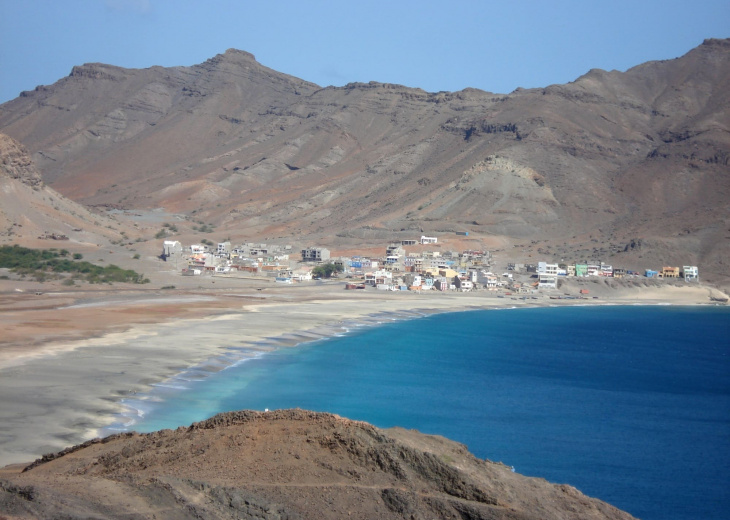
{"type": "Point", "coordinates": [66, 361]}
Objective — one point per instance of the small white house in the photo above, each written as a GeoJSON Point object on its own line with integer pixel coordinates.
{"type": "Point", "coordinates": [690, 273]}
{"type": "Point", "coordinates": [463, 284]}
{"type": "Point", "coordinates": [171, 247]}
{"type": "Point", "coordinates": [305, 276]}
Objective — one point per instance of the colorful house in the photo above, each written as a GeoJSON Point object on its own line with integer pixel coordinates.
{"type": "Point", "coordinates": [670, 272]}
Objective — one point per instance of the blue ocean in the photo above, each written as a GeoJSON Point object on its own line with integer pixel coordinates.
{"type": "Point", "coordinates": [630, 404]}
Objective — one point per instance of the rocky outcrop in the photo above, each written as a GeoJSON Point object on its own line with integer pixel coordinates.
{"type": "Point", "coordinates": [284, 464]}
{"type": "Point", "coordinates": [16, 163]}
{"type": "Point", "coordinates": [29, 208]}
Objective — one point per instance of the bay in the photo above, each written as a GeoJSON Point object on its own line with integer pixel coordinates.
{"type": "Point", "coordinates": [628, 404]}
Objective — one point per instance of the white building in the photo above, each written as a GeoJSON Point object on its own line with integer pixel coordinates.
{"type": "Point", "coordinates": [463, 283]}
{"type": "Point", "coordinates": [491, 281]}
{"type": "Point", "coordinates": [690, 273]}
{"type": "Point", "coordinates": [545, 268]}
{"type": "Point", "coordinates": [171, 247]}
{"type": "Point", "coordinates": [224, 248]}
{"type": "Point", "coordinates": [428, 240]}
{"type": "Point", "coordinates": [547, 281]}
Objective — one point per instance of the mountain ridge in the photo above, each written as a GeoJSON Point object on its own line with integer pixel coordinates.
{"type": "Point", "coordinates": [610, 157]}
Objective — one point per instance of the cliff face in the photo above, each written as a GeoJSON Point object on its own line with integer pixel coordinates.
{"type": "Point", "coordinates": [16, 163]}
{"type": "Point", "coordinates": [609, 158]}
{"type": "Point", "coordinates": [284, 464]}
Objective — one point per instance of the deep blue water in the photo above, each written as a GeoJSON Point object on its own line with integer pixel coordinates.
{"type": "Point", "coordinates": [628, 404]}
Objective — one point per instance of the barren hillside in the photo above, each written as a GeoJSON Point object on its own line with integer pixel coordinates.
{"type": "Point", "coordinates": [29, 209]}
{"type": "Point", "coordinates": [284, 464]}
{"type": "Point", "coordinates": [576, 171]}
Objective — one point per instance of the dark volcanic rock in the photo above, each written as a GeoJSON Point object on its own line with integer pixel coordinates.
{"type": "Point", "coordinates": [284, 464]}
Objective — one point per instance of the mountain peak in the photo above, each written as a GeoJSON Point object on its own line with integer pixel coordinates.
{"type": "Point", "coordinates": [233, 56]}
{"type": "Point", "coordinates": [238, 54]}
{"type": "Point", "coordinates": [717, 42]}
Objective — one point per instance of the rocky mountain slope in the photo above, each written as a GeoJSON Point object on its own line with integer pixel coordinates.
{"type": "Point", "coordinates": [30, 209]}
{"type": "Point", "coordinates": [591, 168]}
{"type": "Point", "coordinates": [284, 464]}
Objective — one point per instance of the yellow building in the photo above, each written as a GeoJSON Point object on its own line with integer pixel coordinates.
{"type": "Point", "coordinates": [670, 272]}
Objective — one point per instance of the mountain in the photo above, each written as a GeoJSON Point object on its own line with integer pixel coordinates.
{"type": "Point", "coordinates": [30, 209]}
{"type": "Point", "coordinates": [284, 464]}
{"type": "Point", "coordinates": [627, 167]}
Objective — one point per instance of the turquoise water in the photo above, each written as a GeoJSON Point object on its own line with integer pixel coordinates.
{"type": "Point", "coordinates": [628, 404]}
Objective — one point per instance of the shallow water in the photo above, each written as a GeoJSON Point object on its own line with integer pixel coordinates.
{"type": "Point", "coordinates": [628, 404]}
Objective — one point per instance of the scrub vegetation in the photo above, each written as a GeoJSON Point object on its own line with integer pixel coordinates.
{"type": "Point", "coordinates": [50, 264]}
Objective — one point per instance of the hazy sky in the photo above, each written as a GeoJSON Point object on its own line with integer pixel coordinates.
{"type": "Point", "coordinates": [494, 46]}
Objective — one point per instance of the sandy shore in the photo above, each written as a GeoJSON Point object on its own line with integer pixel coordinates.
{"type": "Point", "coordinates": [67, 360]}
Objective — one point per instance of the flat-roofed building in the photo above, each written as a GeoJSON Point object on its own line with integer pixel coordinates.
{"type": "Point", "coordinates": [690, 273]}
{"type": "Point", "coordinates": [315, 254]}
{"type": "Point", "coordinates": [547, 281]}
{"type": "Point", "coordinates": [670, 272]}
{"type": "Point", "coordinates": [171, 248]}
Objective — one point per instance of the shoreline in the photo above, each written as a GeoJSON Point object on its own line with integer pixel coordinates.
{"type": "Point", "coordinates": [232, 358]}
{"type": "Point", "coordinates": [64, 393]}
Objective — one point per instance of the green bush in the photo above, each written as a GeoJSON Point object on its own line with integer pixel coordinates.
{"type": "Point", "coordinates": [326, 270]}
{"type": "Point", "coordinates": [43, 264]}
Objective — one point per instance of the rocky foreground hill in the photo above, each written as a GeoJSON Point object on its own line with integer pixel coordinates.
{"type": "Point", "coordinates": [627, 167]}
{"type": "Point", "coordinates": [283, 464]}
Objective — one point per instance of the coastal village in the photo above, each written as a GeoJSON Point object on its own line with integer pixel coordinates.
{"type": "Point", "coordinates": [408, 265]}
